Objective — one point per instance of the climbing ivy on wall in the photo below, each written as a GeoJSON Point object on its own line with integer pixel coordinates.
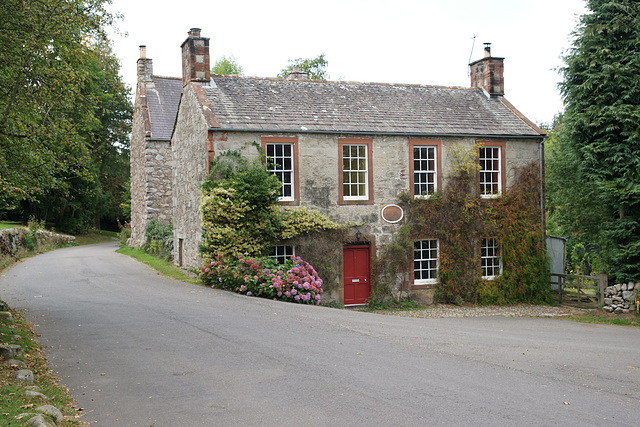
{"type": "Point", "coordinates": [459, 218]}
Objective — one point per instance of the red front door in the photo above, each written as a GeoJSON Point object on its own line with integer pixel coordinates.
{"type": "Point", "coordinates": [357, 288]}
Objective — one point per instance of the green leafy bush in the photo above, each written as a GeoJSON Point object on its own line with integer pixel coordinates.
{"type": "Point", "coordinates": [30, 240]}
{"type": "Point", "coordinates": [158, 239]}
{"type": "Point", "coordinates": [238, 208]}
{"type": "Point", "coordinates": [124, 234]}
{"type": "Point", "coordinates": [240, 213]}
{"type": "Point", "coordinates": [303, 220]}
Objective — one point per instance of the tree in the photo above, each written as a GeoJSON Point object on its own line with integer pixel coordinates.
{"type": "Point", "coordinates": [600, 138]}
{"type": "Point", "coordinates": [42, 71]}
{"type": "Point", "coordinates": [94, 183]}
{"type": "Point", "coordinates": [314, 67]}
{"type": "Point", "coordinates": [226, 65]}
{"type": "Point", "coordinates": [65, 114]}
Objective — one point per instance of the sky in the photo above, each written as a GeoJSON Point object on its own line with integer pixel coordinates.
{"type": "Point", "coordinates": [428, 42]}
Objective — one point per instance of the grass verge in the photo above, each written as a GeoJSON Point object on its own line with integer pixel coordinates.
{"type": "Point", "coordinates": [13, 399]}
{"type": "Point", "coordinates": [603, 318]}
{"type": "Point", "coordinates": [4, 225]}
{"type": "Point", "coordinates": [404, 305]}
{"type": "Point", "coordinates": [166, 268]}
{"type": "Point", "coordinates": [96, 236]}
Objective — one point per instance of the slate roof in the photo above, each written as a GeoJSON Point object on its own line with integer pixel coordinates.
{"type": "Point", "coordinates": [163, 99]}
{"type": "Point", "coordinates": [264, 104]}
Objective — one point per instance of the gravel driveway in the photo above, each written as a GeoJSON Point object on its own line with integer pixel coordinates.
{"type": "Point", "coordinates": [443, 310]}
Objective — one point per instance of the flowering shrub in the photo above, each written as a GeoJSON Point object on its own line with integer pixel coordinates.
{"type": "Point", "coordinates": [295, 281]}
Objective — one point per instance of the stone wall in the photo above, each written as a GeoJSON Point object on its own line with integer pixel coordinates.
{"type": "Point", "coordinates": [151, 196]}
{"type": "Point", "coordinates": [621, 298]}
{"type": "Point", "coordinates": [189, 170]}
{"type": "Point", "coordinates": [11, 240]}
{"type": "Point", "coordinates": [319, 170]}
{"type": "Point", "coordinates": [318, 165]}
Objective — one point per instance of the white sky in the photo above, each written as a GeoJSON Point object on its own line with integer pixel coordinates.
{"type": "Point", "coordinates": [391, 41]}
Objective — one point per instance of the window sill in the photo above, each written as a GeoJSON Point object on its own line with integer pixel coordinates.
{"type": "Point", "coordinates": [424, 285]}
{"type": "Point", "coordinates": [355, 202]}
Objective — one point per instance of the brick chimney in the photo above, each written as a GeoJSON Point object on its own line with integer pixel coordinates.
{"type": "Point", "coordinates": [195, 58]}
{"type": "Point", "coordinates": [145, 66]}
{"type": "Point", "coordinates": [488, 73]}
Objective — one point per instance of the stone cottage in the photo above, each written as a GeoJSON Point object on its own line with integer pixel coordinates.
{"type": "Point", "coordinates": [345, 149]}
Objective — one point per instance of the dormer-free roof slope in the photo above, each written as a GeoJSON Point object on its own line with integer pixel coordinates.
{"type": "Point", "coordinates": [163, 99]}
{"type": "Point", "coordinates": [264, 104]}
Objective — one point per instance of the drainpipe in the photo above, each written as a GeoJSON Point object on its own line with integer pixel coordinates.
{"type": "Point", "coordinates": [541, 152]}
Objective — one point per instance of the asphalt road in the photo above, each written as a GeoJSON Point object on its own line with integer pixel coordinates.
{"type": "Point", "coordinates": [136, 349]}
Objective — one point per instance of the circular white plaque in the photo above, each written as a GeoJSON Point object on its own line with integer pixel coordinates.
{"type": "Point", "coordinates": [392, 213]}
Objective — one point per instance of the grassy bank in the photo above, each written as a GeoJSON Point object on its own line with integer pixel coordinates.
{"type": "Point", "coordinates": [13, 400]}
{"type": "Point", "coordinates": [603, 318]}
{"type": "Point", "coordinates": [10, 224]}
{"type": "Point", "coordinates": [166, 268]}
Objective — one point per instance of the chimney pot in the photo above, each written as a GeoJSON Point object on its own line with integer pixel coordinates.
{"type": "Point", "coordinates": [487, 50]}
{"type": "Point", "coordinates": [145, 66]}
{"type": "Point", "coordinates": [194, 32]}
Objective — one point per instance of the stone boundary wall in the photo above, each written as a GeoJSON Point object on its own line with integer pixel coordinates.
{"type": "Point", "coordinates": [11, 239]}
{"type": "Point", "coordinates": [620, 298]}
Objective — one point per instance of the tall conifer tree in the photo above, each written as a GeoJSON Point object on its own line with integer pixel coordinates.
{"type": "Point", "coordinates": [601, 89]}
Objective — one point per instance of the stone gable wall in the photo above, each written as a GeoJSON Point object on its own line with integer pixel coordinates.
{"type": "Point", "coordinates": [189, 145]}
{"type": "Point", "coordinates": [151, 196]}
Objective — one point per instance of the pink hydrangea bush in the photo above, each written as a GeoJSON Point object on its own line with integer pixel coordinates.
{"type": "Point", "coordinates": [295, 281]}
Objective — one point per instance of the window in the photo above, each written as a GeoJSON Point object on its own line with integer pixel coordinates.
{"type": "Point", "coordinates": [282, 156]}
{"type": "Point", "coordinates": [425, 262]}
{"type": "Point", "coordinates": [491, 176]}
{"type": "Point", "coordinates": [490, 258]}
{"type": "Point", "coordinates": [282, 253]}
{"type": "Point", "coordinates": [355, 173]}
{"type": "Point", "coordinates": [425, 166]}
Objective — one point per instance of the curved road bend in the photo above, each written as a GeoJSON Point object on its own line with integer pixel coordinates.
{"type": "Point", "coordinates": [136, 349]}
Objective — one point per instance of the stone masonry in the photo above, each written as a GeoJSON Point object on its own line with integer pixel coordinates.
{"type": "Point", "coordinates": [620, 298]}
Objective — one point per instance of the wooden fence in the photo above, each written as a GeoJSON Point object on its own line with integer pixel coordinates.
{"type": "Point", "coordinates": [579, 287]}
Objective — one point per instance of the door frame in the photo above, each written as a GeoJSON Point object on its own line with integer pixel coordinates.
{"type": "Point", "coordinates": [363, 245]}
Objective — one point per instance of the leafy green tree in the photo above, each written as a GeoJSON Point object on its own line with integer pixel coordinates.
{"type": "Point", "coordinates": [314, 67]}
{"type": "Point", "coordinates": [599, 140]}
{"type": "Point", "coordinates": [95, 187]}
{"type": "Point", "coordinates": [42, 73]}
{"type": "Point", "coordinates": [226, 65]}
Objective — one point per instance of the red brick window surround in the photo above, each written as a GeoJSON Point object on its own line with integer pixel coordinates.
{"type": "Point", "coordinates": [424, 164]}
{"type": "Point", "coordinates": [492, 174]}
{"type": "Point", "coordinates": [282, 161]}
{"type": "Point", "coordinates": [355, 177]}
